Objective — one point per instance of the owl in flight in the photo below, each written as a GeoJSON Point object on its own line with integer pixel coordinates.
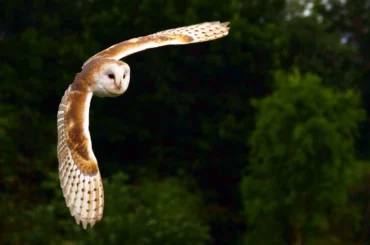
{"type": "Point", "coordinates": [104, 75]}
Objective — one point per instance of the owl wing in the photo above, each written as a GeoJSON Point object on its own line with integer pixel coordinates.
{"type": "Point", "coordinates": [184, 35]}
{"type": "Point", "coordinates": [79, 174]}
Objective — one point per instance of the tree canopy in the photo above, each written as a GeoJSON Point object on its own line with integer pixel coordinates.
{"type": "Point", "coordinates": [302, 154]}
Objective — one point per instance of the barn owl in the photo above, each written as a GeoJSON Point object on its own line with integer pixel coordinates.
{"type": "Point", "coordinates": [104, 75]}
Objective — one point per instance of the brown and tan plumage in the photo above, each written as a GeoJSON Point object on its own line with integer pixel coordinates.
{"type": "Point", "coordinates": [104, 75]}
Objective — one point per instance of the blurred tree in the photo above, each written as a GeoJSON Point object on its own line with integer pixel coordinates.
{"type": "Point", "coordinates": [153, 212]}
{"type": "Point", "coordinates": [302, 162]}
{"type": "Point", "coordinates": [35, 63]}
{"type": "Point", "coordinates": [313, 49]}
{"type": "Point", "coordinates": [314, 46]}
{"type": "Point", "coordinates": [352, 20]}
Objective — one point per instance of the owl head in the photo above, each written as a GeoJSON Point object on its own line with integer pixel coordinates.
{"type": "Point", "coordinates": [106, 77]}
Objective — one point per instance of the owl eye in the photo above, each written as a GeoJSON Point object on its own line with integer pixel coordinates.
{"type": "Point", "coordinates": [124, 76]}
{"type": "Point", "coordinates": [111, 76]}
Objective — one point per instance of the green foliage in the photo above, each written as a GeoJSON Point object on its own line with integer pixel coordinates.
{"type": "Point", "coordinates": [313, 49]}
{"type": "Point", "coordinates": [302, 159]}
{"type": "Point", "coordinates": [352, 20]}
{"type": "Point", "coordinates": [154, 212]}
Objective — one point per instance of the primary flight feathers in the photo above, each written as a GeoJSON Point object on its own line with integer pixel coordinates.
{"type": "Point", "coordinates": [178, 36]}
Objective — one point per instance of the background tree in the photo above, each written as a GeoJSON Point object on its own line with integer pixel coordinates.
{"type": "Point", "coordinates": [352, 19]}
{"type": "Point", "coordinates": [153, 212]}
{"type": "Point", "coordinates": [302, 161]}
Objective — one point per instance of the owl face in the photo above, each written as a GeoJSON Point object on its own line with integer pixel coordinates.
{"type": "Point", "coordinates": [112, 79]}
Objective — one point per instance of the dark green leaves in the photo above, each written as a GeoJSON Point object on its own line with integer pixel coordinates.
{"type": "Point", "coordinates": [302, 156]}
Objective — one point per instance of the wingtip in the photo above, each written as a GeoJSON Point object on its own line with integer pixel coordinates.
{"type": "Point", "coordinates": [77, 218]}
{"type": "Point", "coordinates": [222, 23]}
{"type": "Point", "coordinates": [84, 222]}
{"type": "Point", "coordinates": [92, 223]}
{"type": "Point", "coordinates": [226, 25]}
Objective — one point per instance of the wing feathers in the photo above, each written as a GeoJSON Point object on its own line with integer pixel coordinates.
{"type": "Point", "coordinates": [184, 35]}
{"type": "Point", "coordinates": [78, 170]}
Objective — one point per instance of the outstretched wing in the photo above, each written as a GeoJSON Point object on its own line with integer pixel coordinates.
{"type": "Point", "coordinates": [184, 35]}
{"type": "Point", "coordinates": [79, 174]}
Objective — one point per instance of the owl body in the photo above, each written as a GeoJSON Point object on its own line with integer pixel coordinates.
{"type": "Point", "coordinates": [104, 75]}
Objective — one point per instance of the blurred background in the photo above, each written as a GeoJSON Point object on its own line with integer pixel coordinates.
{"type": "Point", "coordinates": [261, 137]}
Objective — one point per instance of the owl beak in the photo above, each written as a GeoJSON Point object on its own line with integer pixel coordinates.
{"type": "Point", "coordinates": [118, 83]}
